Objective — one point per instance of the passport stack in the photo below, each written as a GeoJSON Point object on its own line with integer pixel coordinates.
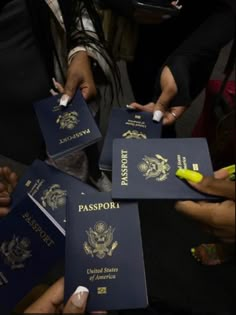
{"type": "Point", "coordinates": [50, 188]}
{"type": "Point", "coordinates": [30, 246]}
{"type": "Point", "coordinates": [66, 129]}
{"type": "Point", "coordinates": [104, 252]}
{"type": "Point", "coordinates": [145, 169]}
{"type": "Point", "coordinates": [127, 124]}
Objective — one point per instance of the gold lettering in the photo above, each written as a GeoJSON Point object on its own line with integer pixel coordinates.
{"type": "Point", "coordinates": [99, 206]}
{"type": "Point", "coordinates": [124, 168]}
{"type": "Point", "coordinates": [93, 271]}
{"type": "Point", "coordinates": [105, 277]}
{"type": "Point", "coordinates": [38, 229]}
{"type": "Point", "coordinates": [75, 136]}
{"type": "Point", "coordinates": [136, 123]}
{"type": "Point", "coordinates": [181, 162]}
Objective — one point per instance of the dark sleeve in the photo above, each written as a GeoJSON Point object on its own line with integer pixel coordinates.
{"type": "Point", "coordinates": [192, 63]}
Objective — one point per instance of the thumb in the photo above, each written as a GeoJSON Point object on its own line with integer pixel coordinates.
{"type": "Point", "coordinates": [77, 302]}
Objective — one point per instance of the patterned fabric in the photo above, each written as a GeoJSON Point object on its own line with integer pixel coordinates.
{"type": "Point", "coordinates": [59, 36]}
{"type": "Point", "coordinates": [121, 34]}
{"type": "Point", "coordinates": [76, 163]}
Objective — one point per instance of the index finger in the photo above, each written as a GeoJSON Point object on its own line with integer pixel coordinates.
{"type": "Point", "coordinates": [72, 83]}
{"type": "Point", "coordinates": [145, 108]}
{"type": "Point", "coordinates": [215, 186]}
{"type": "Point", "coordinates": [49, 301]}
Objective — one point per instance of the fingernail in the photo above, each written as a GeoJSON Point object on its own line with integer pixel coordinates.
{"type": "Point", "coordinates": [230, 169]}
{"type": "Point", "coordinates": [129, 106]}
{"type": "Point", "coordinates": [64, 100]}
{"type": "Point", "coordinates": [193, 250]}
{"type": "Point", "coordinates": [53, 93]}
{"type": "Point", "coordinates": [79, 297]}
{"type": "Point", "coordinates": [157, 116]}
{"type": "Point", "coordinates": [190, 175]}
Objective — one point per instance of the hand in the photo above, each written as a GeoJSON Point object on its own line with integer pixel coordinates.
{"type": "Point", "coordinates": [79, 75]}
{"type": "Point", "coordinates": [8, 181]}
{"type": "Point", "coordinates": [162, 109]}
{"type": "Point", "coordinates": [169, 116]}
{"type": "Point", "coordinates": [51, 302]}
{"type": "Point", "coordinates": [218, 218]}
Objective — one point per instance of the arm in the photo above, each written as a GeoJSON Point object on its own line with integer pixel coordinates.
{"type": "Point", "coordinates": [187, 71]}
{"type": "Point", "coordinates": [87, 35]}
{"type": "Point", "coordinates": [85, 43]}
{"type": "Point", "coordinates": [8, 181]}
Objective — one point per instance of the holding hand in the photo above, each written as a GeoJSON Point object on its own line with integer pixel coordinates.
{"type": "Point", "coordinates": [51, 302]}
{"type": "Point", "coordinates": [8, 181]}
{"type": "Point", "coordinates": [218, 218]}
{"type": "Point", "coordinates": [80, 76]}
{"type": "Point", "coordinates": [161, 109]}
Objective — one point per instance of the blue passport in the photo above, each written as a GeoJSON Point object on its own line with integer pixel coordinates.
{"type": "Point", "coordinates": [145, 169]}
{"type": "Point", "coordinates": [30, 246]}
{"type": "Point", "coordinates": [50, 188]}
{"type": "Point", "coordinates": [66, 129]}
{"type": "Point", "coordinates": [104, 252]}
{"type": "Point", "coordinates": [127, 124]}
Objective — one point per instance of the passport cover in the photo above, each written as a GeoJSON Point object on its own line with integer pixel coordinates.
{"type": "Point", "coordinates": [104, 253]}
{"type": "Point", "coordinates": [145, 169]}
{"type": "Point", "coordinates": [50, 188]}
{"type": "Point", "coordinates": [66, 129]}
{"type": "Point", "coordinates": [30, 245]}
{"type": "Point", "coordinates": [127, 124]}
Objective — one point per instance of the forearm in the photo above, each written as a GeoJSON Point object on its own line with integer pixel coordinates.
{"type": "Point", "coordinates": [84, 37]}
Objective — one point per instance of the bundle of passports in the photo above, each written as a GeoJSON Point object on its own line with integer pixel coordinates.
{"type": "Point", "coordinates": [30, 246]}
{"type": "Point", "coordinates": [145, 169]}
{"type": "Point", "coordinates": [66, 129]}
{"type": "Point", "coordinates": [50, 189]}
{"type": "Point", "coordinates": [127, 124]}
{"type": "Point", "coordinates": [104, 252]}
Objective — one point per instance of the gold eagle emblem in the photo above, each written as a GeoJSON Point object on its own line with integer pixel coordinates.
{"type": "Point", "coordinates": [68, 120]}
{"type": "Point", "coordinates": [15, 252]}
{"type": "Point", "coordinates": [100, 240]}
{"type": "Point", "coordinates": [54, 197]}
{"type": "Point", "coordinates": [154, 167]}
{"type": "Point", "coordinates": [134, 134]}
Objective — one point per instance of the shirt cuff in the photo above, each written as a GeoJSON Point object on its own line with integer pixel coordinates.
{"type": "Point", "coordinates": [74, 51]}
